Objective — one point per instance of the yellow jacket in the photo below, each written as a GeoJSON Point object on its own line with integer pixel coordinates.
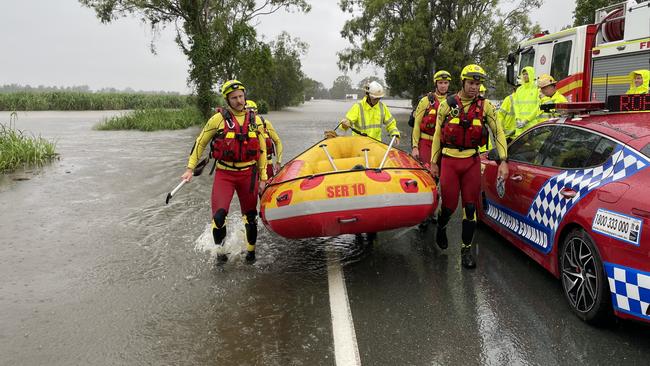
{"type": "Point", "coordinates": [216, 124]}
{"type": "Point", "coordinates": [489, 116]}
{"type": "Point", "coordinates": [506, 115]}
{"type": "Point", "coordinates": [268, 127]}
{"type": "Point", "coordinates": [555, 98]}
{"type": "Point", "coordinates": [643, 88]}
{"type": "Point", "coordinates": [423, 104]}
{"type": "Point", "coordinates": [526, 101]}
{"type": "Point", "coordinates": [369, 119]}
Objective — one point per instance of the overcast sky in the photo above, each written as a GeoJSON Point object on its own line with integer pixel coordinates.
{"type": "Point", "coordinates": [60, 43]}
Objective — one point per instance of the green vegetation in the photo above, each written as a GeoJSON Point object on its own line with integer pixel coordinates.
{"type": "Point", "coordinates": [17, 149]}
{"type": "Point", "coordinates": [411, 39]}
{"type": "Point", "coordinates": [81, 101]}
{"type": "Point", "coordinates": [219, 39]}
{"type": "Point", "coordinates": [154, 119]}
{"type": "Point", "coordinates": [585, 10]}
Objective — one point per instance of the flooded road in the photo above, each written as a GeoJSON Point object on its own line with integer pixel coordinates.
{"type": "Point", "coordinates": [96, 269]}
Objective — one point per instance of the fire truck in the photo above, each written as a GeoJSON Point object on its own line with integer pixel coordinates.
{"type": "Point", "coordinates": [590, 62]}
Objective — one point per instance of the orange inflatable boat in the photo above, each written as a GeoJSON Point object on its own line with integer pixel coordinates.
{"type": "Point", "coordinates": [347, 185]}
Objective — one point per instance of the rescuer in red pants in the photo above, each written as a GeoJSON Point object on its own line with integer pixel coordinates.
{"type": "Point", "coordinates": [460, 131]}
{"type": "Point", "coordinates": [237, 144]}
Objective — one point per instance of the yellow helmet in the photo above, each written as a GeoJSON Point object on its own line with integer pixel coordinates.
{"type": "Point", "coordinates": [545, 80]}
{"type": "Point", "coordinates": [441, 75]}
{"type": "Point", "coordinates": [473, 72]}
{"type": "Point", "coordinates": [230, 86]}
{"type": "Point", "coordinates": [482, 89]}
{"type": "Point", "coordinates": [251, 105]}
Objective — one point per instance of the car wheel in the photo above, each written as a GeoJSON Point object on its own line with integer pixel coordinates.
{"type": "Point", "coordinates": [583, 278]}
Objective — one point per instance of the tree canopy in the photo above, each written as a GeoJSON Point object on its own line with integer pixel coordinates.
{"type": "Point", "coordinates": [411, 39]}
{"type": "Point", "coordinates": [585, 10]}
{"type": "Point", "coordinates": [215, 35]}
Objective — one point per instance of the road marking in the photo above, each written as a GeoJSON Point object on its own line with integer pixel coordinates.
{"type": "Point", "coordinates": [345, 339]}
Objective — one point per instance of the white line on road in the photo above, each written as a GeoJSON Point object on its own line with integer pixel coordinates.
{"type": "Point", "coordinates": [345, 339]}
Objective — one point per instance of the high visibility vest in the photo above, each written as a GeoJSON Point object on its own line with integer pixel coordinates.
{"type": "Point", "coordinates": [371, 125]}
{"type": "Point", "coordinates": [555, 98]}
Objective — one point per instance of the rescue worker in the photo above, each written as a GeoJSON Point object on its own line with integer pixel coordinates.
{"type": "Point", "coordinates": [506, 116]}
{"type": "Point", "coordinates": [273, 142]}
{"type": "Point", "coordinates": [481, 91]}
{"type": "Point", "coordinates": [237, 144]}
{"type": "Point", "coordinates": [424, 125]}
{"type": "Point", "coordinates": [639, 81]}
{"type": "Point", "coordinates": [425, 117]}
{"type": "Point", "coordinates": [526, 101]}
{"type": "Point", "coordinates": [460, 130]}
{"type": "Point", "coordinates": [550, 95]}
{"type": "Point", "coordinates": [370, 114]}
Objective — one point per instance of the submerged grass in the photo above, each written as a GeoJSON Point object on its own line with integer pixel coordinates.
{"type": "Point", "coordinates": [154, 119]}
{"type": "Point", "coordinates": [18, 149]}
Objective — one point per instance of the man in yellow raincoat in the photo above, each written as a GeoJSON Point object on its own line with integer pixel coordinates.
{"type": "Point", "coordinates": [370, 114]}
{"type": "Point", "coordinates": [639, 80]}
{"type": "Point", "coordinates": [526, 101]}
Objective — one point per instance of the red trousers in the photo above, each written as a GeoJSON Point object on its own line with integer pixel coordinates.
{"type": "Point", "coordinates": [227, 182]}
{"type": "Point", "coordinates": [460, 175]}
{"type": "Point", "coordinates": [269, 171]}
{"type": "Point", "coordinates": [424, 148]}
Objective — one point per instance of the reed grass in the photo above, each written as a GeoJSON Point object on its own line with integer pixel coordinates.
{"type": "Point", "coordinates": [154, 119]}
{"type": "Point", "coordinates": [18, 149]}
{"type": "Point", "coordinates": [84, 101]}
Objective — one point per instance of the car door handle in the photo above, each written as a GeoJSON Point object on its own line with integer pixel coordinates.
{"type": "Point", "coordinates": [568, 193]}
{"type": "Point", "coordinates": [516, 178]}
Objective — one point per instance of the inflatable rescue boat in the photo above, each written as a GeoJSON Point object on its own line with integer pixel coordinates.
{"type": "Point", "coordinates": [347, 185]}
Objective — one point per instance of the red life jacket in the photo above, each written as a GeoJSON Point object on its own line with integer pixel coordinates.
{"type": "Point", "coordinates": [462, 130]}
{"type": "Point", "coordinates": [428, 124]}
{"type": "Point", "coordinates": [270, 147]}
{"type": "Point", "coordinates": [236, 143]}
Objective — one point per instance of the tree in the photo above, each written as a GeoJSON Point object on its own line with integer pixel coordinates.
{"type": "Point", "coordinates": [411, 39]}
{"type": "Point", "coordinates": [367, 80]}
{"type": "Point", "coordinates": [213, 34]}
{"type": "Point", "coordinates": [314, 89]}
{"type": "Point", "coordinates": [287, 88]}
{"type": "Point", "coordinates": [341, 86]}
{"type": "Point", "coordinates": [585, 11]}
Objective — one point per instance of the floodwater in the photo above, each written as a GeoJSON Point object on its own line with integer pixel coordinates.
{"type": "Point", "coordinates": [96, 269]}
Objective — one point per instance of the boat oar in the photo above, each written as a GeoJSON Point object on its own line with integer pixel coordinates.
{"type": "Point", "coordinates": [197, 171]}
{"type": "Point", "coordinates": [390, 146]}
{"type": "Point", "coordinates": [352, 128]}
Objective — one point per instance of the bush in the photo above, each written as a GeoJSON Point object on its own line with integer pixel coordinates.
{"type": "Point", "coordinates": [262, 106]}
{"type": "Point", "coordinates": [154, 119]}
{"type": "Point", "coordinates": [17, 149]}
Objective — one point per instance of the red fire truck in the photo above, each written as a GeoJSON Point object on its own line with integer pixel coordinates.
{"type": "Point", "coordinates": [591, 61]}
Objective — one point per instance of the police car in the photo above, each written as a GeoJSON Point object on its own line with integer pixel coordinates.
{"type": "Point", "coordinates": [577, 201]}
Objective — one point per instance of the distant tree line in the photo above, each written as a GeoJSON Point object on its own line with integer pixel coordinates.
{"type": "Point", "coordinates": [13, 88]}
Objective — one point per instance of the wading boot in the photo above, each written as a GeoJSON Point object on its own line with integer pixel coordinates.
{"type": "Point", "coordinates": [441, 233]}
{"type": "Point", "coordinates": [222, 258]}
{"type": "Point", "coordinates": [466, 257]}
{"type": "Point", "coordinates": [250, 256]}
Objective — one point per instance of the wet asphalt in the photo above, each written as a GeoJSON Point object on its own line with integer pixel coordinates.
{"type": "Point", "coordinates": [96, 269]}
